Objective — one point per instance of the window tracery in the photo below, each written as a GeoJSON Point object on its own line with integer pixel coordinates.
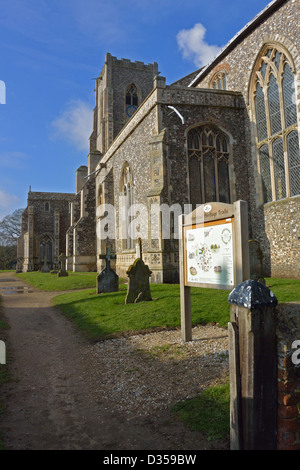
{"type": "Point", "coordinates": [219, 81]}
{"type": "Point", "coordinates": [131, 100]}
{"type": "Point", "coordinates": [275, 114]}
{"type": "Point", "coordinates": [208, 153]}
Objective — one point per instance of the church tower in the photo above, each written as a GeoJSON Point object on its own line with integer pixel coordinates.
{"type": "Point", "coordinates": [120, 89]}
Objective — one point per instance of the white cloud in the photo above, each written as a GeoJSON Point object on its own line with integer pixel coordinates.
{"type": "Point", "coordinates": [8, 203]}
{"type": "Point", "coordinates": [193, 46]}
{"type": "Point", "coordinates": [15, 160]}
{"type": "Point", "coordinates": [75, 124]}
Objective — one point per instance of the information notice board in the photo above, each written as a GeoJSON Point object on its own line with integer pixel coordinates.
{"type": "Point", "coordinates": [209, 254]}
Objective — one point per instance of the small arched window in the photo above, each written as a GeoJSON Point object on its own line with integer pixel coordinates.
{"type": "Point", "coordinates": [219, 81]}
{"type": "Point", "coordinates": [208, 153]}
{"type": "Point", "coordinates": [275, 114]}
{"type": "Point", "coordinates": [131, 100]}
{"type": "Point", "coordinates": [47, 207]}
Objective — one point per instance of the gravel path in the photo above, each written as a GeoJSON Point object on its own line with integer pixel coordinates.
{"type": "Point", "coordinates": [67, 393]}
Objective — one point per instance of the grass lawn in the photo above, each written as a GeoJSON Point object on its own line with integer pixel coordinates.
{"type": "Point", "coordinates": [50, 282]}
{"type": "Point", "coordinates": [208, 412]}
{"type": "Point", "coordinates": [106, 314]}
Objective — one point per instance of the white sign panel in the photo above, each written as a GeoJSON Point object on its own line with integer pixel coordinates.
{"type": "Point", "coordinates": [209, 254]}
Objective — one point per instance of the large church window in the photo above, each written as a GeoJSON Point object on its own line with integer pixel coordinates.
{"type": "Point", "coordinates": [274, 107]}
{"type": "Point", "coordinates": [208, 152]}
{"type": "Point", "coordinates": [46, 249]}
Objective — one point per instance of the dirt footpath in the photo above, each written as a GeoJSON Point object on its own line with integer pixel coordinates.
{"type": "Point", "coordinates": [49, 403]}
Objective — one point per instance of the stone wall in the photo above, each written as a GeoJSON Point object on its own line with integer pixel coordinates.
{"type": "Point", "coordinates": [38, 221]}
{"type": "Point", "coordinates": [282, 243]}
{"type": "Point", "coordinates": [288, 419]}
{"type": "Point", "coordinates": [153, 143]}
{"type": "Point", "coordinates": [83, 240]}
{"type": "Point", "coordinates": [238, 61]}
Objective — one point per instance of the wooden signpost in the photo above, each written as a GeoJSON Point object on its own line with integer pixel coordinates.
{"type": "Point", "coordinates": [213, 252]}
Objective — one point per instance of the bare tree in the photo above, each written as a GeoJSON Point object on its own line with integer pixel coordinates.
{"type": "Point", "coordinates": [10, 228]}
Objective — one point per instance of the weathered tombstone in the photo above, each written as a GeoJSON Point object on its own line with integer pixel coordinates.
{"type": "Point", "coordinates": [62, 272]}
{"type": "Point", "coordinates": [45, 268]}
{"type": "Point", "coordinates": [107, 280]}
{"type": "Point", "coordinates": [138, 284]}
{"type": "Point", "coordinates": [255, 261]}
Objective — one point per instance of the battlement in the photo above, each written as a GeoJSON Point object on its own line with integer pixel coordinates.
{"type": "Point", "coordinates": [114, 61]}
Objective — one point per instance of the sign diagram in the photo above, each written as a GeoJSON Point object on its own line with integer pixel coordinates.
{"type": "Point", "coordinates": [209, 253]}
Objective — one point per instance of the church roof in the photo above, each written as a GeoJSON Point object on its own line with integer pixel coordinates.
{"type": "Point", "coordinates": [244, 32]}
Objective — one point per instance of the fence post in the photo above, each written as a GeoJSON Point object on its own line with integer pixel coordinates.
{"type": "Point", "coordinates": [253, 367]}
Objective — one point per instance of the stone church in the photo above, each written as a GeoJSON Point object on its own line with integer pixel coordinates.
{"type": "Point", "coordinates": [227, 132]}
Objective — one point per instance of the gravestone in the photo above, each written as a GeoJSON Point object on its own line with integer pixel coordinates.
{"type": "Point", "coordinates": [138, 284]}
{"type": "Point", "coordinates": [255, 261]}
{"type": "Point", "coordinates": [62, 272]}
{"type": "Point", "coordinates": [107, 280]}
{"type": "Point", "coordinates": [45, 268]}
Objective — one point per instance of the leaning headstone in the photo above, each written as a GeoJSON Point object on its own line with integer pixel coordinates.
{"type": "Point", "coordinates": [255, 260]}
{"type": "Point", "coordinates": [107, 280]}
{"type": "Point", "coordinates": [45, 268]}
{"type": "Point", "coordinates": [62, 272]}
{"type": "Point", "coordinates": [138, 284]}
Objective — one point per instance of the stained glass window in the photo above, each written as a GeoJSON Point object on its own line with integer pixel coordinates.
{"type": "Point", "coordinates": [275, 113]}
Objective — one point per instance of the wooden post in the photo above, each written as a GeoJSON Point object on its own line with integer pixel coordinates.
{"type": "Point", "coordinates": [242, 267]}
{"type": "Point", "coordinates": [185, 291]}
{"type": "Point", "coordinates": [253, 363]}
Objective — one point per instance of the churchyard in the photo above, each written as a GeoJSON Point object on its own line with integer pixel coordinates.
{"type": "Point", "coordinates": [101, 315]}
{"type": "Point", "coordinates": [107, 315]}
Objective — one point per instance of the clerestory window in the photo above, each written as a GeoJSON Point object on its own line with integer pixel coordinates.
{"type": "Point", "coordinates": [275, 112]}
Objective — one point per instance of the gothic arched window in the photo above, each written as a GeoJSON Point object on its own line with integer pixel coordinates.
{"type": "Point", "coordinates": [46, 249]}
{"type": "Point", "coordinates": [208, 154]}
{"type": "Point", "coordinates": [219, 81]}
{"type": "Point", "coordinates": [127, 198]}
{"type": "Point", "coordinates": [274, 107]}
{"type": "Point", "coordinates": [131, 100]}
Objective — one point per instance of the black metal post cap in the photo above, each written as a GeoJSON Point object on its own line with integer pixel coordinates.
{"type": "Point", "coordinates": [252, 294]}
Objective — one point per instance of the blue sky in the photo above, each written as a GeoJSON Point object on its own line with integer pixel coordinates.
{"type": "Point", "coordinates": [51, 51]}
